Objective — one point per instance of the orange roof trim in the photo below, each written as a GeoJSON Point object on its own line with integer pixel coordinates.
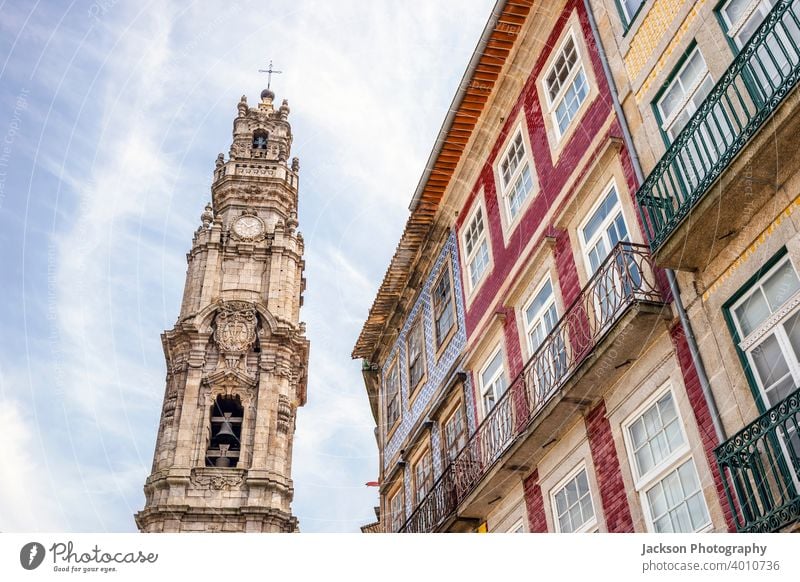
{"type": "Point", "coordinates": [497, 41]}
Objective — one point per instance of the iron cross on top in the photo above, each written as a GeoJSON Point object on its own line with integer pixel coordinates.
{"type": "Point", "coordinates": [269, 72]}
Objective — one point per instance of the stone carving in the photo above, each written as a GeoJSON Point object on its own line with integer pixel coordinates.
{"type": "Point", "coordinates": [284, 413]}
{"type": "Point", "coordinates": [169, 405]}
{"type": "Point", "coordinates": [217, 480]}
{"type": "Point", "coordinates": [235, 330]}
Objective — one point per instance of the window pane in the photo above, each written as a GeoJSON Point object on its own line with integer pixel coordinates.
{"type": "Point", "coordinates": [561, 502]}
{"type": "Point", "coordinates": [638, 433]}
{"type": "Point", "coordinates": [697, 510]}
{"type": "Point", "coordinates": [657, 501]}
{"type": "Point", "coordinates": [781, 285]}
{"type": "Point", "coordinates": [752, 312]}
{"type": "Point", "coordinates": [644, 459]}
{"type": "Point", "coordinates": [769, 361]}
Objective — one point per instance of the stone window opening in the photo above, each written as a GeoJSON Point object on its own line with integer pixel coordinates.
{"type": "Point", "coordinates": [227, 414]}
{"type": "Point", "coordinates": [260, 139]}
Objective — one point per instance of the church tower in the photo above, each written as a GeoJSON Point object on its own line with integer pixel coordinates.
{"type": "Point", "coordinates": [237, 357]}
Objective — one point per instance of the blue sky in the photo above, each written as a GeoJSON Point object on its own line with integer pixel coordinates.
{"type": "Point", "coordinates": [111, 116]}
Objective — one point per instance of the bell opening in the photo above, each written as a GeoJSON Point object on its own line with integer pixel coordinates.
{"type": "Point", "coordinates": [224, 448]}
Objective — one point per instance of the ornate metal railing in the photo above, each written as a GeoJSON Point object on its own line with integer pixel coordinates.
{"type": "Point", "coordinates": [760, 467]}
{"type": "Point", "coordinates": [762, 74]}
{"type": "Point", "coordinates": [625, 277]}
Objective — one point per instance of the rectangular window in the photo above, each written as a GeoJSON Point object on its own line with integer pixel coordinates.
{"type": "Point", "coordinates": [572, 505]}
{"type": "Point", "coordinates": [566, 85]}
{"type": "Point", "coordinates": [455, 434]}
{"type": "Point", "coordinates": [423, 477]}
{"type": "Point", "coordinates": [415, 347]}
{"type": "Point", "coordinates": [397, 514]}
{"type": "Point", "coordinates": [492, 381]}
{"type": "Point", "coordinates": [677, 104]}
{"type": "Point", "coordinates": [392, 388]}
{"type": "Point", "coordinates": [743, 17]}
{"type": "Point", "coordinates": [443, 307]}
{"type": "Point", "coordinates": [664, 470]}
{"type": "Point", "coordinates": [602, 231]}
{"type": "Point", "coordinates": [477, 246]}
{"type": "Point", "coordinates": [515, 176]}
{"type": "Point", "coordinates": [684, 95]}
{"type": "Point", "coordinates": [770, 332]}
{"type": "Point", "coordinates": [540, 317]}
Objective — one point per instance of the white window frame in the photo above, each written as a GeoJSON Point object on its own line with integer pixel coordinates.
{"type": "Point", "coordinates": [483, 238]}
{"type": "Point", "coordinates": [689, 93]}
{"type": "Point", "coordinates": [591, 524]}
{"type": "Point", "coordinates": [483, 390]}
{"type": "Point", "coordinates": [506, 189]}
{"type": "Point", "coordinates": [517, 527]}
{"type": "Point", "coordinates": [552, 103]}
{"type": "Point", "coordinates": [527, 325]}
{"type": "Point", "coordinates": [645, 483]}
{"type": "Point", "coordinates": [601, 231]}
{"type": "Point", "coordinates": [734, 28]}
{"type": "Point", "coordinates": [772, 325]}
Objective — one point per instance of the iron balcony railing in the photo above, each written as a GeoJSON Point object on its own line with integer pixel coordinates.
{"type": "Point", "coordinates": [760, 466]}
{"type": "Point", "coordinates": [625, 278]}
{"type": "Point", "coordinates": [762, 74]}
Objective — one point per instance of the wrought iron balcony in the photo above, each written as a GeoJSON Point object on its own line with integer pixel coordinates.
{"type": "Point", "coordinates": [750, 92]}
{"type": "Point", "coordinates": [760, 466]}
{"type": "Point", "coordinates": [624, 279]}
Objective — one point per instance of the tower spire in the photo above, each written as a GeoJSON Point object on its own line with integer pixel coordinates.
{"type": "Point", "coordinates": [237, 357]}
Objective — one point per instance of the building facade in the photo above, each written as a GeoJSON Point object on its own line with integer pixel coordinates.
{"type": "Point", "coordinates": [237, 357]}
{"type": "Point", "coordinates": [589, 409]}
{"type": "Point", "coordinates": [709, 90]}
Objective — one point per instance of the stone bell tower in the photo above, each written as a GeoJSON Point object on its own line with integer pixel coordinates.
{"type": "Point", "coordinates": [237, 357]}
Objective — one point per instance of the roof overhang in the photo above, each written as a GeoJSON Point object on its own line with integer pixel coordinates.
{"type": "Point", "coordinates": [488, 60]}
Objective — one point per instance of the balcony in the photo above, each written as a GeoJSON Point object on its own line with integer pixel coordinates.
{"type": "Point", "coordinates": [721, 170]}
{"type": "Point", "coordinates": [587, 350]}
{"type": "Point", "coordinates": [760, 466]}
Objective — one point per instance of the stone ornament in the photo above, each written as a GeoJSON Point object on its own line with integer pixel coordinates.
{"type": "Point", "coordinates": [284, 413]}
{"type": "Point", "coordinates": [215, 481]}
{"type": "Point", "coordinates": [235, 327]}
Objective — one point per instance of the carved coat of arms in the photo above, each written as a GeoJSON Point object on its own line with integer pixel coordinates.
{"type": "Point", "coordinates": [236, 326]}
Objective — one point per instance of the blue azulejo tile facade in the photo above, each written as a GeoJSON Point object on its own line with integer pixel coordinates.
{"type": "Point", "coordinates": [439, 371]}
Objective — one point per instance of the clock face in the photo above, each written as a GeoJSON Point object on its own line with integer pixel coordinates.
{"type": "Point", "coordinates": [248, 227]}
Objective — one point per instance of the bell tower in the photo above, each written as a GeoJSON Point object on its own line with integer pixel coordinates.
{"type": "Point", "coordinates": [237, 357]}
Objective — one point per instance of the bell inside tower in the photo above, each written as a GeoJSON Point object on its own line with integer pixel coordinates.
{"type": "Point", "coordinates": [260, 139]}
{"type": "Point", "coordinates": [224, 448]}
